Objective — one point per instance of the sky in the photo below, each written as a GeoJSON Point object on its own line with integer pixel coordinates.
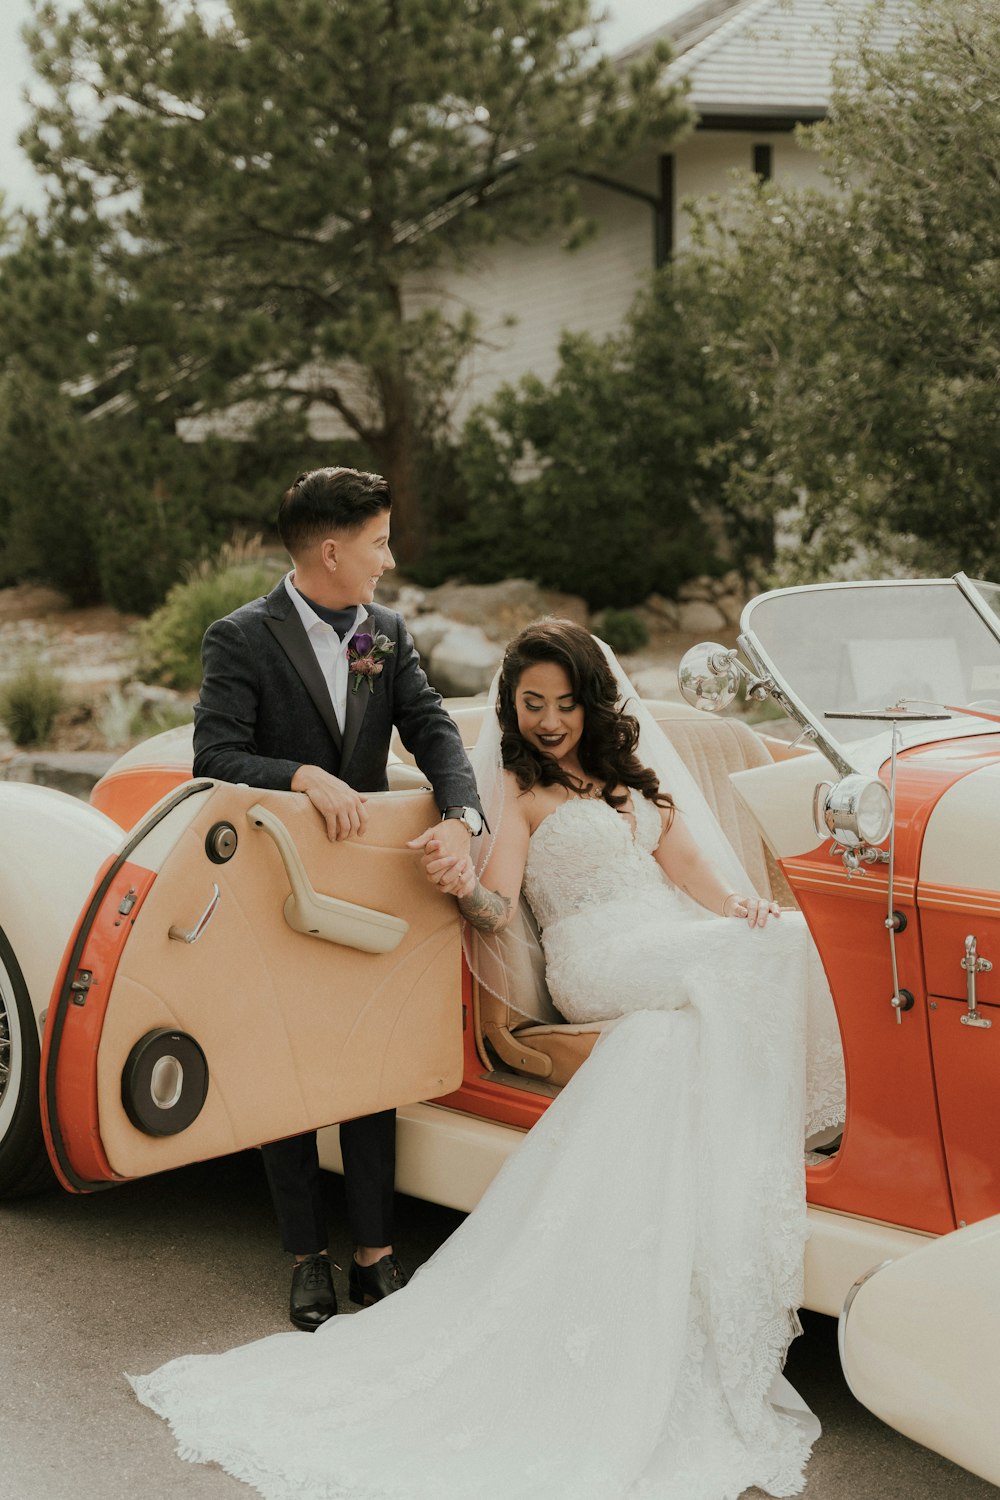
{"type": "Point", "coordinates": [627, 20]}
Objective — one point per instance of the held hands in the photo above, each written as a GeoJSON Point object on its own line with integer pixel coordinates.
{"type": "Point", "coordinates": [340, 806]}
{"type": "Point", "coordinates": [446, 859]}
{"type": "Point", "coordinates": [754, 910]}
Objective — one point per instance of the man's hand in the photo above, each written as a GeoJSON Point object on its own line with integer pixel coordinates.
{"type": "Point", "coordinates": [446, 860]}
{"type": "Point", "coordinates": [341, 807]}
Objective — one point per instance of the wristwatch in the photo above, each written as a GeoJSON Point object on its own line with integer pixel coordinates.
{"type": "Point", "coordinates": [470, 816]}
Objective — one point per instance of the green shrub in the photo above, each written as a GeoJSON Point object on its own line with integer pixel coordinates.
{"type": "Point", "coordinates": [170, 640]}
{"type": "Point", "coordinates": [622, 629]}
{"type": "Point", "coordinates": [29, 703]}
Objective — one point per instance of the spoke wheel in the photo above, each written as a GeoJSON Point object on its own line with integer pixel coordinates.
{"type": "Point", "coordinates": [24, 1165]}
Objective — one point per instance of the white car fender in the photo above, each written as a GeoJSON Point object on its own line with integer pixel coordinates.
{"type": "Point", "coordinates": [53, 845]}
{"type": "Point", "coordinates": [920, 1345]}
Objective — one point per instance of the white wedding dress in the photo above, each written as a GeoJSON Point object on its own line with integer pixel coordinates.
{"type": "Point", "coordinates": [611, 1320]}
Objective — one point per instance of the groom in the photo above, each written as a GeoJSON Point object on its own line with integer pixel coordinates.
{"type": "Point", "coordinates": [277, 710]}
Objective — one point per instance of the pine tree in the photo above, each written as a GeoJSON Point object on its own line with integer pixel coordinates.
{"type": "Point", "coordinates": [267, 189]}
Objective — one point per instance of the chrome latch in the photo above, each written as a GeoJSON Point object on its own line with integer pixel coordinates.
{"type": "Point", "coordinates": [81, 985]}
{"type": "Point", "coordinates": [974, 965]}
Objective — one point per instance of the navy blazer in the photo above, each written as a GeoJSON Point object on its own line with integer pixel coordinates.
{"type": "Point", "coordinates": [265, 708]}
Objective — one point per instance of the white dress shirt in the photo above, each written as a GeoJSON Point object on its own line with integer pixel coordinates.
{"type": "Point", "coordinates": [329, 648]}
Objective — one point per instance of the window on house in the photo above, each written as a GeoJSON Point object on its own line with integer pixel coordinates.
{"type": "Point", "coordinates": [763, 162]}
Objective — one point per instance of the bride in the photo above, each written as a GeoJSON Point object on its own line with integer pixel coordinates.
{"type": "Point", "coordinates": [611, 1321]}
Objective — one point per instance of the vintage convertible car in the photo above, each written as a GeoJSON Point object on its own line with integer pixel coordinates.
{"type": "Point", "coordinates": [161, 993]}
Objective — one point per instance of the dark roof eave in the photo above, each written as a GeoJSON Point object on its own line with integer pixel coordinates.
{"type": "Point", "coordinates": [766, 117]}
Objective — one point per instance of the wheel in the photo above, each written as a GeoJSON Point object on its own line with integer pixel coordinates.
{"type": "Point", "coordinates": [24, 1165]}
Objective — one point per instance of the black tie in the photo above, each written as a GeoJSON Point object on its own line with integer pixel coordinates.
{"type": "Point", "coordinates": [342, 620]}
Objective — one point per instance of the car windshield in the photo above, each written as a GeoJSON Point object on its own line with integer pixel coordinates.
{"type": "Point", "coordinates": [853, 648]}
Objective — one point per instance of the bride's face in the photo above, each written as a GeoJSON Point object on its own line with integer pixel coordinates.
{"type": "Point", "coordinates": [548, 716]}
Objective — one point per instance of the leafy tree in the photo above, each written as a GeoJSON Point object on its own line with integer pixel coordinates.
{"type": "Point", "coordinates": [265, 190]}
{"type": "Point", "coordinates": [858, 328]}
{"type": "Point", "coordinates": [606, 481]}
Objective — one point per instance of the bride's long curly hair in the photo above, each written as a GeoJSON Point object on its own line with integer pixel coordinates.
{"type": "Point", "coordinates": [610, 736]}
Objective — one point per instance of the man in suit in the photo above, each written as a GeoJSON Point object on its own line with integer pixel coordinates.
{"type": "Point", "coordinates": [283, 705]}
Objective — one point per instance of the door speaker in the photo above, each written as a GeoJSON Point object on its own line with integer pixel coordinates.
{"type": "Point", "coordinates": [164, 1082]}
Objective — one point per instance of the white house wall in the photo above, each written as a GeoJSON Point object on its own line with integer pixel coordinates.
{"type": "Point", "coordinates": [547, 290]}
{"type": "Point", "coordinates": [527, 294]}
{"type": "Point", "coordinates": [706, 161]}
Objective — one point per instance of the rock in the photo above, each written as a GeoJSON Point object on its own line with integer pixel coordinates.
{"type": "Point", "coordinates": [463, 662]}
{"type": "Point", "coordinates": [657, 682]}
{"type": "Point", "coordinates": [152, 695]}
{"type": "Point", "coordinates": [697, 589]}
{"type": "Point", "coordinates": [72, 771]}
{"type": "Point", "coordinates": [428, 630]}
{"type": "Point", "coordinates": [698, 617]}
{"type": "Point", "coordinates": [500, 610]}
{"type": "Point", "coordinates": [408, 600]}
{"type": "Point", "coordinates": [663, 611]}
{"type": "Point", "coordinates": [731, 607]}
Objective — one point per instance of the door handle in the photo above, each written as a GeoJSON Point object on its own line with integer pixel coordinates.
{"type": "Point", "coordinates": [180, 936]}
{"type": "Point", "coordinates": [326, 917]}
{"type": "Point", "coordinates": [973, 965]}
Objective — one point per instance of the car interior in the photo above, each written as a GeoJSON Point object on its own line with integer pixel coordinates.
{"type": "Point", "coordinates": [544, 1057]}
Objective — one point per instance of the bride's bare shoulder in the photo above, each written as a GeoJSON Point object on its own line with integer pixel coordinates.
{"type": "Point", "coordinates": [532, 806]}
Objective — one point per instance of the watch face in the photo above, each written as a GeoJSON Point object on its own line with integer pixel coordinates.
{"type": "Point", "coordinates": [473, 821]}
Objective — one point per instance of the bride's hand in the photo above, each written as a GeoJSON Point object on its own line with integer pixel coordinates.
{"type": "Point", "coordinates": [754, 910]}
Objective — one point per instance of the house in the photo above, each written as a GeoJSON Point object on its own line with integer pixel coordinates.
{"type": "Point", "coordinates": [754, 70]}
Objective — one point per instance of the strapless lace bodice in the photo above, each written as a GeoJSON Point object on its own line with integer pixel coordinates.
{"type": "Point", "coordinates": [586, 854]}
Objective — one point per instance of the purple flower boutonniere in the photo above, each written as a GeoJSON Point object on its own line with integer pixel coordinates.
{"type": "Point", "coordinates": [366, 656]}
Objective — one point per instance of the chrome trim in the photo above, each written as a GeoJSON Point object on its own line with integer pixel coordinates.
{"type": "Point", "coordinates": [968, 588]}
{"type": "Point", "coordinates": [973, 965]}
{"type": "Point", "coordinates": [179, 935]}
{"type": "Point", "coordinates": [783, 695]}
{"type": "Point", "coordinates": [845, 1313]}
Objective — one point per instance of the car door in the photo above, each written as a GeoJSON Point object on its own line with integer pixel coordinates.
{"type": "Point", "coordinates": [237, 978]}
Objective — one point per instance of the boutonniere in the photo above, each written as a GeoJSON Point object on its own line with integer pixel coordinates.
{"type": "Point", "coordinates": [366, 656]}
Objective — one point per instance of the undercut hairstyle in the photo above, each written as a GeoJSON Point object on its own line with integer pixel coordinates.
{"type": "Point", "coordinates": [610, 736]}
{"type": "Point", "coordinates": [323, 501]}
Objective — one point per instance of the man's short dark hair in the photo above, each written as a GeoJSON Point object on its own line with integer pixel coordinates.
{"type": "Point", "coordinates": [327, 500]}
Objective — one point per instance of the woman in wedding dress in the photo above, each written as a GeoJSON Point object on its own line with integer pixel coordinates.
{"type": "Point", "coordinates": [611, 1321]}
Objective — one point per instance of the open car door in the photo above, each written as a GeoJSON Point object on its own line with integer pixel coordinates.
{"type": "Point", "coordinates": [237, 978]}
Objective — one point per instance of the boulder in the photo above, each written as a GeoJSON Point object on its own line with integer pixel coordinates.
{"type": "Point", "coordinates": [702, 588]}
{"type": "Point", "coordinates": [152, 695]}
{"type": "Point", "coordinates": [72, 771]}
{"type": "Point", "coordinates": [661, 612]}
{"type": "Point", "coordinates": [500, 610]}
{"type": "Point", "coordinates": [428, 630]}
{"type": "Point", "coordinates": [407, 598]}
{"type": "Point", "coordinates": [698, 617]}
{"type": "Point", "coordinates": [731, 607]}
{"type": "Point", "coordinates": [463, 662]}
{"type": "Point", "coordinates": [657, 681]}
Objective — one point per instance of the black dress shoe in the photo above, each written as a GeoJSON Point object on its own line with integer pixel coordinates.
{"type": "Point", "coordinates": [313, 1299]}
{"type": "Point", "coordinates": [368, 1284]}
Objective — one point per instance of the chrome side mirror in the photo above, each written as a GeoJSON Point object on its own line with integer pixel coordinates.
{"type": "Point", "coordinates": [709, 676]}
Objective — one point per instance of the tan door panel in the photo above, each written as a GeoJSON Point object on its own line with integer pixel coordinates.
{"type": "Point", "coordinates": [296, 1032]}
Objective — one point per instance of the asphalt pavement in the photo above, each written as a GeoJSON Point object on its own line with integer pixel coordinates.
{"type": "Point", "coordinates": [187, 1263]}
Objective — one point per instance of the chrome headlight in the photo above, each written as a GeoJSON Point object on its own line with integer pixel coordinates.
{"type": "Point", "coordinates": [858, 810]}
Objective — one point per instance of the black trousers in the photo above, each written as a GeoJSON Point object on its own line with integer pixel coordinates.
{"type": "Point", "coordinates": [368, 1146]}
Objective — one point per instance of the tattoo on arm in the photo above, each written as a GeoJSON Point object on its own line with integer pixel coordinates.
{"type": "Point", "coordinates": [487, 910]}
